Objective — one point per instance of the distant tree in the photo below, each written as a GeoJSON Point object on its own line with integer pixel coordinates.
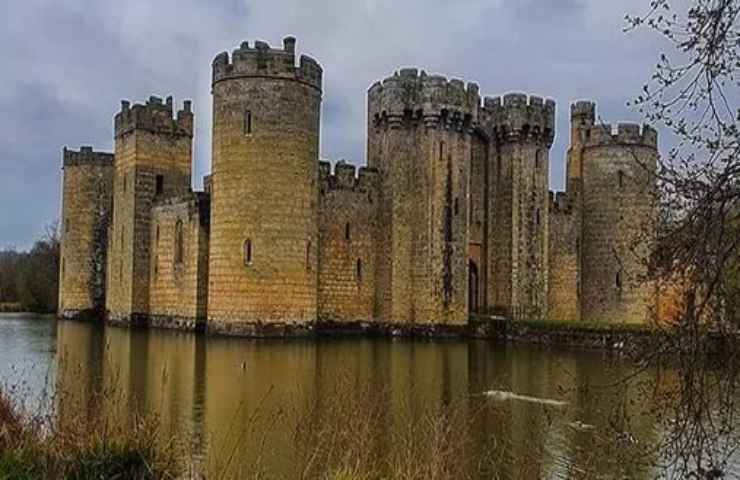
{"type": "Point", "coordinates": [8, 272]}
{"type": "Point", "coordinates": [32, 278]}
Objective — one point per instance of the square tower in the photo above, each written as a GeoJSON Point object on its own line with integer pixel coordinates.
{"type": "Point", "coordinates": [153, 159]}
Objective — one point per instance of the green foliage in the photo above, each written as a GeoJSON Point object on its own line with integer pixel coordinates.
{"type": "Point", "coordinates": [31, 278]}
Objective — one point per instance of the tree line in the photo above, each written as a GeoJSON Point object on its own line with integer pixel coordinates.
{"type": "Point", "coordinates": [30, 279]}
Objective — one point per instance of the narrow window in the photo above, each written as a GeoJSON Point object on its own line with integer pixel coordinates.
{"type": "Point", "coordinates": [618, 280]}
{"type": "Point", "coordinates": [156, 266]}
{"type": "Point", "coordinates": [156, 242]}
{"type": "Point", "coordinates": [123, 230]}
{"type": "Point", "coordinates": [620, 178]}
{"type": "Point", "coordinates": [247, 122]}
{"type": "Point", "coordinates": [457, 206]}
{"type": "Point", "coordinates": [66, 226]}
{"type": "Point", "coordinates": [160, 185]}
{"type": "Point", "coordinates": [62, 269]}
{"type": "Point", "coordinates": [124, 183]}
{"type": "Point", "coordinates": [537, 158]}
{"type": "Point", "coordinates": [346, 232]}
{"type": "Point", "coordinates": [537, 216]}
{"type": "Point", "coordinates": [248, 252]}
{"type": "Point", "coordinates": [441, 150]}
{"type": "Point", "coordinates": [178, 243]}
{"type": "Point", "coordinates": [308, 257]}
{"type": "Point", "coordinates": [358, 269]}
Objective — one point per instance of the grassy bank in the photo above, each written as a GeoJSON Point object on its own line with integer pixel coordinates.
{"type": "Point", "coordinates": [81, 447]}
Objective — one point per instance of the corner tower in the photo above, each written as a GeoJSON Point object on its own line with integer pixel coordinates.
{"type": "Point", "coordinates": [264, 210]}
{"type": "Point", "coordinates": [87, 191]}
{"type": "Point", "coordinates": [153, 159]}
{"type": "Point", "coordinates": [618, 212]}
{"type": "Point", "coordinates": [521, 130]}
{"type": "Point", "coordinates": [420, 139]}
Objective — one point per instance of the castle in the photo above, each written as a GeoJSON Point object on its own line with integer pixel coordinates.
{"type": "Point", "coordinates": [452, 214]}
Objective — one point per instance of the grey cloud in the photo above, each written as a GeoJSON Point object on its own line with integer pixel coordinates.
{"type": "Point", "coordinates": [69, 62]}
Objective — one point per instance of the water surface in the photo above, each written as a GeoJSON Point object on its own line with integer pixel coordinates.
{"type": "Point", "coordinates": [506, 412]}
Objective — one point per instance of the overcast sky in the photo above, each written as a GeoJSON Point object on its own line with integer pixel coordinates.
{"type": "Point", "coordinates": [66, 64]}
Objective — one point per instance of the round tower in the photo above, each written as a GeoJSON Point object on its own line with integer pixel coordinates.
{"type": "Point", "coordinates": [420, 139]}
{"type": "Point", "coordinates": [618, 221]}
{"type": "Point", "coordinates": [264, 210]}
{"type": "Point", "coordinates": [522, 129]}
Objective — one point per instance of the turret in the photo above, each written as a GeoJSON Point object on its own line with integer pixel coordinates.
{"type": "Point", "coordinates": [522, 130]}
{"type": "Point", "coordinates": [154, 117]}
{"type": "Point", "coordinates": [153, 161]}
{"type": "Point", "coordinates": [430, 99]}
{"type": "Point", "coordinates": [264, 218]}
{"type": "Point", "coordinates": [262, 60]}
{"type": "Point", "coordinates": [582, 118]}
{"type": "Point", "coordinates": [520, 118]}
{"type": "Point", "coordinates": [87, 190]}
{"type": "Point", "coordinates": [613, 171]}
{"type": "Point", "coordinates": [420, 131]}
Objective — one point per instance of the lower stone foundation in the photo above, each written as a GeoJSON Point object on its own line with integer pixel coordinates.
{"type": "Point", "coordinates": [260, 330]}
{"type": "Point", "coordinates": [81, 315]}
{"type": "Point", "coordinates": [497, 330]}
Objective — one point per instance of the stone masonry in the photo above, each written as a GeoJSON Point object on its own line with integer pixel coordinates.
{"type": "Point", "coordinates": [452, 215]}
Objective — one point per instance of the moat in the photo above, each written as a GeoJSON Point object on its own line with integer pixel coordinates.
{"type": "Point", "coordinates": [268, 403]}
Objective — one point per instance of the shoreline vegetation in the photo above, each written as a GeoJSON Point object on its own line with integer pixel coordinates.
{"type": "Point", "coordinates": [86, 445]}
{"type": "Point", "coordinates": [99, 437]}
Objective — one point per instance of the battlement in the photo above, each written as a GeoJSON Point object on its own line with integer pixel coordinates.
{"type": "Point", "coordinates": [517, 115]}
{"type": "Point", "coordinates": [86, 156]}
{"type": "Point", "coordinates": [625, 134]}
{"type": "Point", "coordinates": [583, 113]}
{"type": "Point", "coordinates": [264, 61]}
{"type": "Point", "coordinates": [432, 99]}
{"type": "Point", "coordinates": [154, 116]}
{"type": "Point", "coordinates": [347, 177]}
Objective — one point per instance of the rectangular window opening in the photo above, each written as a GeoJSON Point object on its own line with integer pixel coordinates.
{"type": "Point", "coordinates": [160, 185]}
{"type": "Point", "coordinates": [248, 122]}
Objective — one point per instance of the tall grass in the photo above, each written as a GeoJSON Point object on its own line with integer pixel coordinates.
{"type": "Point", "coordinates": [81, 446]}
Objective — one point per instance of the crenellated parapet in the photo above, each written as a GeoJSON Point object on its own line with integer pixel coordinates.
{"type": "Point", "coordinates": [517, 117]}
{"type": "Point", "coordinates": [583, 113]}
{"type": "Point", "coordinates": [86, 156]}
{"type": "Point", "coordinates": [347, 177]}
{"type": "Point", "coordinates": [261, 60]}
{"type": "Point", "coordinates": [626, 134]}
{"type": "Point", "coordinates": [154, 116]}
{"type": "Point", "coordinates": [413, 96]}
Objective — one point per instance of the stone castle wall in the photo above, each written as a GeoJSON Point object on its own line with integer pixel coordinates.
{"type": "Point", "coordinates": [347, 243]}
{"type": "Point", "coordinates": [87, 190]}
{"type": "Point", "coordinates": [264, 189]}
{"type": "Point", "coordinates": [179, 262]}
{"type": "Point", "coordinates": [563, 302]}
